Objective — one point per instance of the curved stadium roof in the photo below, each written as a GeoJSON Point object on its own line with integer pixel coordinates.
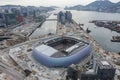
{"type": "Point", "coordinates": [43, 54]}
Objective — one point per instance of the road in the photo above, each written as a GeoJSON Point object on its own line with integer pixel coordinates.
{"type": "Point", "coordinates": [8, 70]}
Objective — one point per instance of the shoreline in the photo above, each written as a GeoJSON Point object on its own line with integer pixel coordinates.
{"type": "Point", "coordinates": [100, 52]}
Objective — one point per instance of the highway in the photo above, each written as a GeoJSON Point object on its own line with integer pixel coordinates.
{"type": "Point", "coordinates": [8, 70]}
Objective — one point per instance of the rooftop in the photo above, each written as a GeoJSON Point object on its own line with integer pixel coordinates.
{"type": "Point", "coordinates": [61, 46]}
{"type": "Point", "coordinates": [104, 64]}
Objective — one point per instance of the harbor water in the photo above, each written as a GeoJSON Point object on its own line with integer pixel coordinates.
{"type": "Point", "coordinates": [102, 35]}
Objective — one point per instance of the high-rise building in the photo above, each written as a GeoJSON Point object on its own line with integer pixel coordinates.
{"type": "Point", "coordinates": [89, 75]}
{"type": "Point", "coordinates": [0, 10]}
{"type": "Point", "coordinates": [24, 11]}
{"type": "Point", "coordinates": [68, 15]}
{"type": "Point", "coordinates": [64, 17]}
{"type": "Point", "coordinates": [104, 70]}
{"type": "Point", "coordinates": [61, 17]}
{"type": "Point", "coordinates": [1, 20]}
{"type": "Point", "coordinates": [10, 18]}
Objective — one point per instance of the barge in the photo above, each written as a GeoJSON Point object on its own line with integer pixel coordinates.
{"type": "Point", "coordinates": [112, 25]}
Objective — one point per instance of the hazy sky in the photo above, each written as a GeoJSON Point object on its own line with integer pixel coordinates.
{"type": "Point", "coordinates": [60, 3]}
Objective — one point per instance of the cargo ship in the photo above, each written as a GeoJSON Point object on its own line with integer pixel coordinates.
{"type": "Point", "coordinates": [115, 39]}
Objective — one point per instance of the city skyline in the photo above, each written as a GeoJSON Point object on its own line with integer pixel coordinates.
{"type": "Point", "coordinates": [59, 3]}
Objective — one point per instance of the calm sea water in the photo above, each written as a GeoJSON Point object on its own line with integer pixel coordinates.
{"type": "Point", "coordinates": [100, 34]}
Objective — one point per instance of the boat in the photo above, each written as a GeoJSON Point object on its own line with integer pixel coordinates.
{"type": "Point", "coordinates": [115, 39]}
{"type": "Point", "coordinates": [88, 31]}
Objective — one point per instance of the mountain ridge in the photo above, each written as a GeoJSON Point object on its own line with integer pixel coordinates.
{"type": "Point", "coordinates": [100, 6]}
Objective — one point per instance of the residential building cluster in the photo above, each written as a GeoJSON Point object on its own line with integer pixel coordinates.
{"type": "Point", "coordinates": [102, 70]}
{"type": "Point", "coordinates": [13, 14]}
{"type": "Point", "coordinates": [64, 17]}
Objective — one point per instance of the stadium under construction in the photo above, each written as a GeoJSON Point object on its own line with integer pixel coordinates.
{"type": "Point", "coordinates": [61, 51]}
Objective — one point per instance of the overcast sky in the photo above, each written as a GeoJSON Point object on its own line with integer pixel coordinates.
{"type": "Point", "coordinates": [60, 3]}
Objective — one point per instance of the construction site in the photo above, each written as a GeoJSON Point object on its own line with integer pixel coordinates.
{"type": "Point", "coordinates": [63, 51]}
